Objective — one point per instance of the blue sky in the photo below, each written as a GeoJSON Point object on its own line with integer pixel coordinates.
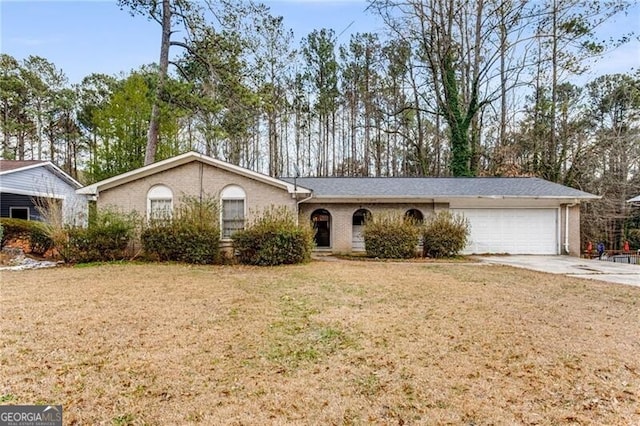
{"type": "Point", "coordinates": [82, 37]}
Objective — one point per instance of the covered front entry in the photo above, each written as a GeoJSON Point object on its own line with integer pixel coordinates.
{"type": "Point", "coordinates": [321, 220]}
{"type": "Point", "coordinates": [512, 231]}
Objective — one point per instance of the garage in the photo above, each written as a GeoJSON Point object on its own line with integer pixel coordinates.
{"type": "Point", "coordinates": [512, 231]}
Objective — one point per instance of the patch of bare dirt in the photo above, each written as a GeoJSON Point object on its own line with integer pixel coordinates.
{"type": "Point", "coordinates": [323, 343]}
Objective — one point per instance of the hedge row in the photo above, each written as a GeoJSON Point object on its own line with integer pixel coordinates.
{"type": "Point", "coordinates": [274, 238]}
{"type": "Point", "coordinates": [391, 235]}
{"type": "Point", "coordinates": [34, 232]}
{"type": "Point", "coordinates": [193, 236]}
{"type": "Point", "coordinates": [182, 242]}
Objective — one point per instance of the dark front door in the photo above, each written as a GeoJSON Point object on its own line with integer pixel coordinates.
{"type": "Point", "coordinates": [321, 220]}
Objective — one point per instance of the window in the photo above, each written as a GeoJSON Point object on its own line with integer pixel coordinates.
{"type": "Point", "coordinates": [415, 215]}
{"type": "Point", "coordinates": [360, 217]}
{"type": "Point", "coordinates": [19, 213]}
{"type": "Point", "coordinates": [233, 208]}
{"type": "Point", "coordinates": [159, 203]}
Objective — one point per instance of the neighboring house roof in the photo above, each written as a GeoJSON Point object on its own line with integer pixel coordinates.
{"type": "Point", "coordinates": [8, 167]}
{"type": "Point", "coordinates": [634, 200]}
{"type": "Point", "coordinates": [438, 188]}
{"type": "Point", "coordinates": [179, 160]}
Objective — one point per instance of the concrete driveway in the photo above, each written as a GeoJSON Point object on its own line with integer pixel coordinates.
{"type": "Point", "coordinates": [619, 273]}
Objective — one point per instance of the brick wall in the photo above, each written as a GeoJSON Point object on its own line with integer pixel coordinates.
{"type": "Point", "coordinates": [186, 180]}
{"type": "Point", "coordinates": [575, 245]}
{"type": "Point", "coordinates": [342, 214]}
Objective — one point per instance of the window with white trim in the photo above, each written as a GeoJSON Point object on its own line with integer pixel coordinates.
{"type": "Point", "coordinates": [233, 210]}
{"type": "Point", "coordinates": [159, 203]}
{"type": "Point", "coordinates": [19, 213]}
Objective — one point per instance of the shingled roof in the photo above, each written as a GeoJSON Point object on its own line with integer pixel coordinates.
{"type": "Point", "coordinates": [6, 165]}
{"type": "Point", "coordinates": [416, 187]}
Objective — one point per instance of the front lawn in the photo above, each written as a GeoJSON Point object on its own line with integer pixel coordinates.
{"type": "Point", "coordinates": [342, 342]}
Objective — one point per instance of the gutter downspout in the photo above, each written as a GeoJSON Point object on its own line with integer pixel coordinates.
{"type": "Point", "coordinates": [298, 207]}
{"type": "Point", "coordinates": [566, 227]}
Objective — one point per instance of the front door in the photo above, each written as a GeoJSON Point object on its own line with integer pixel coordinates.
{"type": "Point", "coordinates": [321, 220]}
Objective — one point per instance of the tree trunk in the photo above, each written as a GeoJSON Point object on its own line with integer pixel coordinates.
{"type": "Point", "coordinates": [154, 122]}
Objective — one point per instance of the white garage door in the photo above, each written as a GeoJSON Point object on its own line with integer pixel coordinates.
{"type": "Point", "coordinates": [513, 231]}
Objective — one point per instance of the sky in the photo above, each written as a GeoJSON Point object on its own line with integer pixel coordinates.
{"type": "Point", "coordinates": [83, 37]}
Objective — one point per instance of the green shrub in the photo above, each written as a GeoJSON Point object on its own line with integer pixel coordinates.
{"type": "Point", "coordinates": [192, 236]}
{"type": "Point", "coordinates": [106, 238]}
{"type": "Point", "coordinates": [15, 228]}
{"type": "Point", "coordinates": [445, 234]}
{"type": "Point", "coordinates": [389, 235]}
{"type": "Point", "coordinates": [39, 240]}
{"type": "Point", "coordinates": [274, 238]}
{"type": "Point", "coordinates": [32, 231]}
{"type": "Point", "coordinates": [182, 242]}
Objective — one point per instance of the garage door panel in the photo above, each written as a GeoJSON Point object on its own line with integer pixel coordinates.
{"type": "Point", "coordinates": [512, 231]}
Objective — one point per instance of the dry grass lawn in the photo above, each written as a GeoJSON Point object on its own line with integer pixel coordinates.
{"type": "Point", "coordinates": [342, 342]}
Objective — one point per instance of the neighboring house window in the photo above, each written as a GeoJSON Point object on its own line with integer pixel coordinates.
{"type": "Point", "coordinates": [233, 210]}
{"type": "Point", "coordinates": [19, 213]}
{"type": "Point", "coordinates": [159, 203]}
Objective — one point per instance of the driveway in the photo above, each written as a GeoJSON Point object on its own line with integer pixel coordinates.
{"type": "Point", "coordinates": [618, 273]}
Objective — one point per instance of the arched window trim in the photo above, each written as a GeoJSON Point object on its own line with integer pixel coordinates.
{"type": "Point", "coordinates": [410, 214]}
{"type": "Point", "coordinates": [159, 203]}
{"type": "Point", "coordinates": [362, 216]}
{"type": "Point", "coordinates": [325, 238]}
{"type": "Point", "coordinates": [233, 211]}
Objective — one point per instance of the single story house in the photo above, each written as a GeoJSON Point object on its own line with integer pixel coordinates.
{"type": "Point", "coordinates": [507, 215]}
{"type": "Point", "coordinates": [27, 186]}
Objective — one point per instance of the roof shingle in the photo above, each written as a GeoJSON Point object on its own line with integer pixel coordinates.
{"type": "Point", "coordinates": [6, 165]}
{"type": "Point", "coordinates": [429, 187]}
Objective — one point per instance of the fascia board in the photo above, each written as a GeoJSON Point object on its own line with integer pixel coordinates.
{"type": "Point", "coordinates": [182, 159]}
{"type": "Point", "coordinates": [47, 164]}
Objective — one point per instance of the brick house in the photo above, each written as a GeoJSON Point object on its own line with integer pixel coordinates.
{"type": "Point", "coordinates": [507, 215]}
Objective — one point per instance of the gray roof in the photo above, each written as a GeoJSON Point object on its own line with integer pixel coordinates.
{"type": "Point", "coordinates": [425, 187]}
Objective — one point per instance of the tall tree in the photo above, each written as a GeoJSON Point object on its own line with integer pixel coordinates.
{"type": "Point", "coordinates": [170, 14]}
{"type": "Point", "coordinates": [14, 97]}
{"type": "Point", "coordinates": [322, 72]}
{"type": "Point", "coordinates": [94, 92]}
{"type": "Point", "coordinates": [456, 43]}
{"type": "Point", "coordinates": [273, 55]}
{"type": "Point", "coordinates": [567, 38]}
{"type": "Point", "coordinates": [613, 161]}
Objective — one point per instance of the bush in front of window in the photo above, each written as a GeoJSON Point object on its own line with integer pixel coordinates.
{"type": "Point", "coordinates": [274, 238]}
{"type": "Point", "coordinates": [389, 235]}
{"type": "Point", "coordinates": [445, 234]}
{"type": "Point", "coordinates": [107, 238]}
{"type": "Point", "coordinates": [191, 236]}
